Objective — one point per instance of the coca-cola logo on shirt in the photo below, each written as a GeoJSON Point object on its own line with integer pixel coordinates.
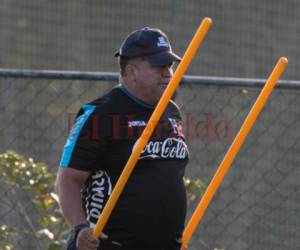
{"type": "Point", "coordinates": [170, 148]}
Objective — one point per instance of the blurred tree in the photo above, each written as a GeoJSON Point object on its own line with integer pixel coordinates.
{"type": "Point", "coordinates": [18, 174]}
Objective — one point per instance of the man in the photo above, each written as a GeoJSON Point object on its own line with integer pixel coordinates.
{"type": "Point", "coordinates": [151, 210]}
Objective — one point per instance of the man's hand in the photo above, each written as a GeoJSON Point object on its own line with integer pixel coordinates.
{"type": "Point", "coordinates": [87, 241]}
{"type": "Point", "coordinates": [84, 239]}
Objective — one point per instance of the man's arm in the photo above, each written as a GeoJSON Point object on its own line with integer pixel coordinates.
{"type": "Point", "coordinates": [68, 185]}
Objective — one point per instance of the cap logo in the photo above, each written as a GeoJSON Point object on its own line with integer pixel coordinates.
{"type": "Point", "coordinates": [162, 42]}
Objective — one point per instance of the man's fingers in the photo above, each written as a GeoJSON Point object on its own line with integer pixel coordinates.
{"type": "Point", "coordinates": [86, 240]}
{"type": "Point", "coordinates": [103, 236]}
{"type": "Point", "coordinates": [87, 234]}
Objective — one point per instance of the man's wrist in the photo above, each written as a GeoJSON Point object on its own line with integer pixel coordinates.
{"type": "Point", "coordinates": [71, 244]}
{"type": "Point", "coordinates": [77, 228]}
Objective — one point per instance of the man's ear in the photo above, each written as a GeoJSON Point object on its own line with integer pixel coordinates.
{"type": "Point", "coordinates": [131, 72]}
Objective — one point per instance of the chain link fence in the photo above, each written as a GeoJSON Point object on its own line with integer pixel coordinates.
{"type": "Point", "coordinates": [246, 36]}
{"type": "Point", "coordinates": [258, 204]}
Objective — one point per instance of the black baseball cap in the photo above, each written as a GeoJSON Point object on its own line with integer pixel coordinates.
{"type": "Point", "coordinates": [151, 43]}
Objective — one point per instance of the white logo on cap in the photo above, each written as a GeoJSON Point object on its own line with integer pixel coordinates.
{"type": "Point", "coordinates": [162, 42]}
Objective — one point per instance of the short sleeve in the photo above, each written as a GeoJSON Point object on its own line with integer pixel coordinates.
{"type": "Point", "coordinates": [86, 145]}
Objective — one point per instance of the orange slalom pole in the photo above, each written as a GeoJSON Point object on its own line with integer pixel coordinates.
{"type": "Point", "coordinates": [142, 141]}
{"type": "Point", "coordinates": [232, 151]}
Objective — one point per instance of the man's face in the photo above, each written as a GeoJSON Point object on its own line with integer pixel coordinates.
{"type": "Point", "coordinates": [151, 80]}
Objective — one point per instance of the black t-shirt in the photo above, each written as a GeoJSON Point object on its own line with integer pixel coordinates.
{"type": "Point", "coordinates": [152, 206]}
